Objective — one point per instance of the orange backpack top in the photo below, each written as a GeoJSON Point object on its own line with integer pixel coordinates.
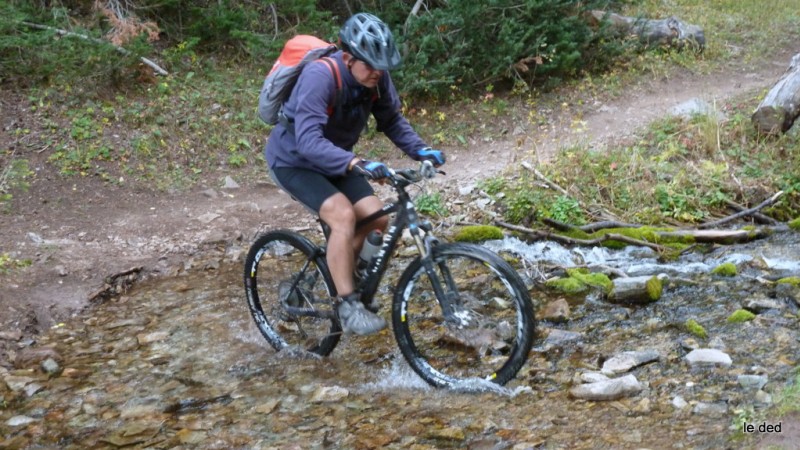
{"type": "Point", "coordinates": [297, 52]}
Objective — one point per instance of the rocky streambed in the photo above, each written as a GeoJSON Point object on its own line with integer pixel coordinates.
{"type": "Point", "coordinates": [177, 363]}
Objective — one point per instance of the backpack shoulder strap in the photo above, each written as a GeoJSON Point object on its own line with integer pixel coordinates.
{"type": "Point", "coordinates": [337, 78]}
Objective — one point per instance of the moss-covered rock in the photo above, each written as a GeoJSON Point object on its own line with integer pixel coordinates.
{"type": "Point", "coordinates": [741, 315]}
{"type": "Point", "coordinates": [725, 270]}
{"type": "Point", "coordinates": [568, 285]}
{"type": "Point", "coordinates": [696, 329]}
{"type": "Point", "coordinates": [795, 224]}
{"type": "Point", "coordinates": [599, 280]}
{"type": "Point", "coordinates": [794, 281]}
{"type": "Point", "coordinates": [478, 233]}
{"type": "Point", "coordinates": [654, 288]}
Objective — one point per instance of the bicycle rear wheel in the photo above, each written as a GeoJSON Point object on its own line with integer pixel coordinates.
{"type": "Point", "coordinates": [289, 290]}
{"type": "Point", "coordinates": [488, 292]}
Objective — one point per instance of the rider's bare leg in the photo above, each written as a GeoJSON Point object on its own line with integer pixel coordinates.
{"type": "Point", "coordinates": [363, 208]}
{"type": "Point", "coordinates": [339, 214]}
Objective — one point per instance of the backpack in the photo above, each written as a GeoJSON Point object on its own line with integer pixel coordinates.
{"type": "Point", "coordinates": [297, 52]}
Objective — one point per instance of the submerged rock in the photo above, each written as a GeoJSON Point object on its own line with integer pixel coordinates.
{"type": "Point", "coordinates": [708, 357]}
{"type": "Point", "coordinates": [626, 361]}
{"type": "Point", "coordinates": [612, 389]}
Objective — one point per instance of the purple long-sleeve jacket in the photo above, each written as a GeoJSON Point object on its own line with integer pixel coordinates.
{"type": "Point", "coordinates": [324, 143]}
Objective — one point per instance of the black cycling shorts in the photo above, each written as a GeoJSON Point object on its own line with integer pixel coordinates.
{"type": "Point", "coordinates": [312, 188]}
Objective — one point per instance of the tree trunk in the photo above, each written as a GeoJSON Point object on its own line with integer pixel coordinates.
{"type": "Point", "coordinates": [669, 32]}
{"type": "Point", "coordinates": [779, 109]}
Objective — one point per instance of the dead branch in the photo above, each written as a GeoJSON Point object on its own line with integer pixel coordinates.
{"type": "Point", "coordinates": [665, 32]}
{"type": "Point", "coordinates": [760, 218]}
{"type": "Point", "coordinates": [66, 33]}
{"type": "Point", "coordinates": [413, 13]}
{"type": "Point", "coordinates": [590, 228]}
{"type": "Point", "coordinates": [744, 213]}
{"type": "Point", "coordinates": [543, 178]}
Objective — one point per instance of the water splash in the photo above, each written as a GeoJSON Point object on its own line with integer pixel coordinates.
{"type": "Point", "coordinates": [398, 375]}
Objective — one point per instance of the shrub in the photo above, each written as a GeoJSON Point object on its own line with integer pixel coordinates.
{"type": "Point", "coordinates": [474, 42]}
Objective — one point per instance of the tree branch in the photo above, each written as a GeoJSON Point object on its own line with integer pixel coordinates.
{"type": "Point", "coordinates": [66, 33]}
{"type": "Point", "coordinates": [746, 212]}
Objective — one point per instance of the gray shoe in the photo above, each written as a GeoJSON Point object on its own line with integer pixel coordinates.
{"type": "Point", "coordinates": [355, 318]}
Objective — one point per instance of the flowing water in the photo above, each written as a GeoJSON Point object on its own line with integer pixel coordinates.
{"type": "Point", "coordinates": [178, 363]}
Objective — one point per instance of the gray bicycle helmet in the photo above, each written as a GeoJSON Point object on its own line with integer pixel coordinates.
{"type": "Point", "coordinates": [369, 39]}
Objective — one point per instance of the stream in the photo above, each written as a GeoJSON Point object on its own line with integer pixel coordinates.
{"type": "Point", "coordinates": [178, 363]}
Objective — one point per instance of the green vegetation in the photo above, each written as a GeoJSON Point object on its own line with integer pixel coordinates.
{"type": "Point", "coordinates": [795, 224]}
{"type": "Point", "coordinates": [741, 315]}
{"type": "Point", "coordinates": [654, 288]}
{"type": "Point", "coordinates": [14, 176]}
{"type": "Point", "coordinates": [789, 399]}
{"type": "Point", "coordinates": [431, 204]}
{"type": "Point", "coordinates": [9, 263]}
{"type": "Point", "coordinates": [580, 280]}
{"type": "Point", "coordinates": [696, 329]}
{"type": "Point", "coordinates": [794, 281]}
{"type": "Point", "coordinates": [725, 270]}
{"type": "Point", "coordinates": [478, 233]}
{"type": "Point", "coordinates": [101, 113]}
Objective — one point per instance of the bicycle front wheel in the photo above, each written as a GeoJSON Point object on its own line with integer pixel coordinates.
{"type": "Point", "coordinates": [289, 290]}
{"type": "Point", "coordinates": [493, 340]}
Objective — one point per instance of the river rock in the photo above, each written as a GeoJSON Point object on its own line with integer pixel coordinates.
{"type": "Point", "coordinates": [18, 421]}
{"type": "Point", "coordinates": [710, 409]}
{"type": "Point", "coordinates": [612, 389]}
{"type": "Point", "coordinates": [33, 356]}
{"type": "Point", "coordinates": [761, 305]}
{"type": "Point", "coordinates": [556, 311]}
{"type": "Point", "coordinates": [626, 361]}
{"type": "Point", "coordinates": [328, 394]}
{"type": "Point", "coordinates": [752, 381]}
{"type": "Point", "coordinates": [593, 377]}
{"type": "Point", "coordinates": [679, 403]}
{"type": "Point", "coordinates": [708, 357]}
{"type": "Point", "coordinates": [556, 337]}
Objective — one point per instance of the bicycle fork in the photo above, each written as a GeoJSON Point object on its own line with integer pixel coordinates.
{"type": "Point", "coordinates": [442, 282]}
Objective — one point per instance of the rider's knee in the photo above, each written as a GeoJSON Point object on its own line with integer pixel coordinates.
{"type": "Point", "coordinates": [338, 213]}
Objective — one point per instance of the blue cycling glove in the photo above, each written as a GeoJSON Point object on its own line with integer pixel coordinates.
{"type": "Point", "coordinates": [371, 169]}
{"type": "Point", "coordinates": [429, 154]}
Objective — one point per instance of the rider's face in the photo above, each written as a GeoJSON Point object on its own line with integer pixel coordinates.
{"type": "Point", "coordinates": [365, 74]}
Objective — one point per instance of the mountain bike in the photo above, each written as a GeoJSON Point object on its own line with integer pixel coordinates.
{"type": "Point", "coordinates": [459, 311]}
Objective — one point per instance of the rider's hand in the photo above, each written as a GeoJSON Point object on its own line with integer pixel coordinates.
{"type": "Point", "coordinates": [429, 154]}
{"type": "Point", "coordinates": [371, 169]}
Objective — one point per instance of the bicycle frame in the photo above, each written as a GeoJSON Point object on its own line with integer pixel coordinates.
{"type": "Point", "coordinates": [406, 217]}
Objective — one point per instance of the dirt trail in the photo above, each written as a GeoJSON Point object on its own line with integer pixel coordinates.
{"type": "Point", "coordinates": [79, 231]}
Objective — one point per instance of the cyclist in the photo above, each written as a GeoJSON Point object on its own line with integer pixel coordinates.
{"type": "Point", "coordinates": [310, 152]}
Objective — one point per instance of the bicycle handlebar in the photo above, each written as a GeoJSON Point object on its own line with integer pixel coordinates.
{"type": "Point", "coordinates": [425, 171]}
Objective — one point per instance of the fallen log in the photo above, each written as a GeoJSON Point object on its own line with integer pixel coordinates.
{"type": "Point", "coordinates": [637, 290]}
{"type": "Point", "coordinates": [781, 106]}
{"type": "Point", "coordinates": [723, 237]}
{"type": "Point", "coordinates": [664, 32]}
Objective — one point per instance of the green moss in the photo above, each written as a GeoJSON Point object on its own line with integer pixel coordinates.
{"type": "Point", "coordinates": [794, 281]}
{"type": "Point", "coordinates": [725, 270]}
{"type": "Point", "coordinates": [567, 285]}
{"type": "Point", "coordinates": [696, 329]}
{"type": "Point", "coordinates": [599, 280]}
{"type": "Point", "coordinates": [741, 315]}
{"type": "Point", "coordinates": [795, 224]}
{"type": "Point", "coordinates": [654, 288]}
{"type": "Point", "coordinates": [478, 233]}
